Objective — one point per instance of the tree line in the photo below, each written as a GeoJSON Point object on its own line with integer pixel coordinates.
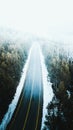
{"type": "Point", "coordinates": [60, 71]}
{"type": "Point", "coordinates": [12, 59]}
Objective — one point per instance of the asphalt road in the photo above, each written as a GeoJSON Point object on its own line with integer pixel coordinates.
{"type": "Point", "coordinates": [28, 114]}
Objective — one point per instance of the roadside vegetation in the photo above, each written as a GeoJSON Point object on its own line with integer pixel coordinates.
{"type": "Point", "coordinates": [60, 71]}
{"type": "Point", "coordinates": [12, 59]}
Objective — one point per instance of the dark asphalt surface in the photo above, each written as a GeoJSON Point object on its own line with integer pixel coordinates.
{"type": "Point", "coordinates": [28, 114]}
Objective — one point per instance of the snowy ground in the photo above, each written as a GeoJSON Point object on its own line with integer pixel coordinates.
{"type": "Point", "coordinates": [47, 89]}
{"type": "Point", "coordinates": [14, 102]}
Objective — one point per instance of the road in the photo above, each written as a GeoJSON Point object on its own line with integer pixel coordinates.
{"type": "Point", "coordinates": [28, 114]}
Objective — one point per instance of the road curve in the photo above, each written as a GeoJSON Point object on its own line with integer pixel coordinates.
{"type": "Point", "coordinates": [28, 114]}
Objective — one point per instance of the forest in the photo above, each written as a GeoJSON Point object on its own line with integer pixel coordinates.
{"type": "Point", "coordinates": [60, 71]}
{"type": "Point", "coordinates": [12, 59]}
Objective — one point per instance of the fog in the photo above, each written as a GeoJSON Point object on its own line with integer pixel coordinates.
{"type": "Point", "coordinates": [44, 18]}
{"type": "Point", "coordinates": [26, 21]}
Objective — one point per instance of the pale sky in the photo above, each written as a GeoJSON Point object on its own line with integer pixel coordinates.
{"type": "Point", "coordinates": [41, 17]}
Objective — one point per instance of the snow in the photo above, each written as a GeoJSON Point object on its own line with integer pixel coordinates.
{"type": "Point", "coordinates": [12, 106]}
{"type": "Point", "coordinates": [69, 95]}
{"type": "Point", "coordinates": [47, 89]}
